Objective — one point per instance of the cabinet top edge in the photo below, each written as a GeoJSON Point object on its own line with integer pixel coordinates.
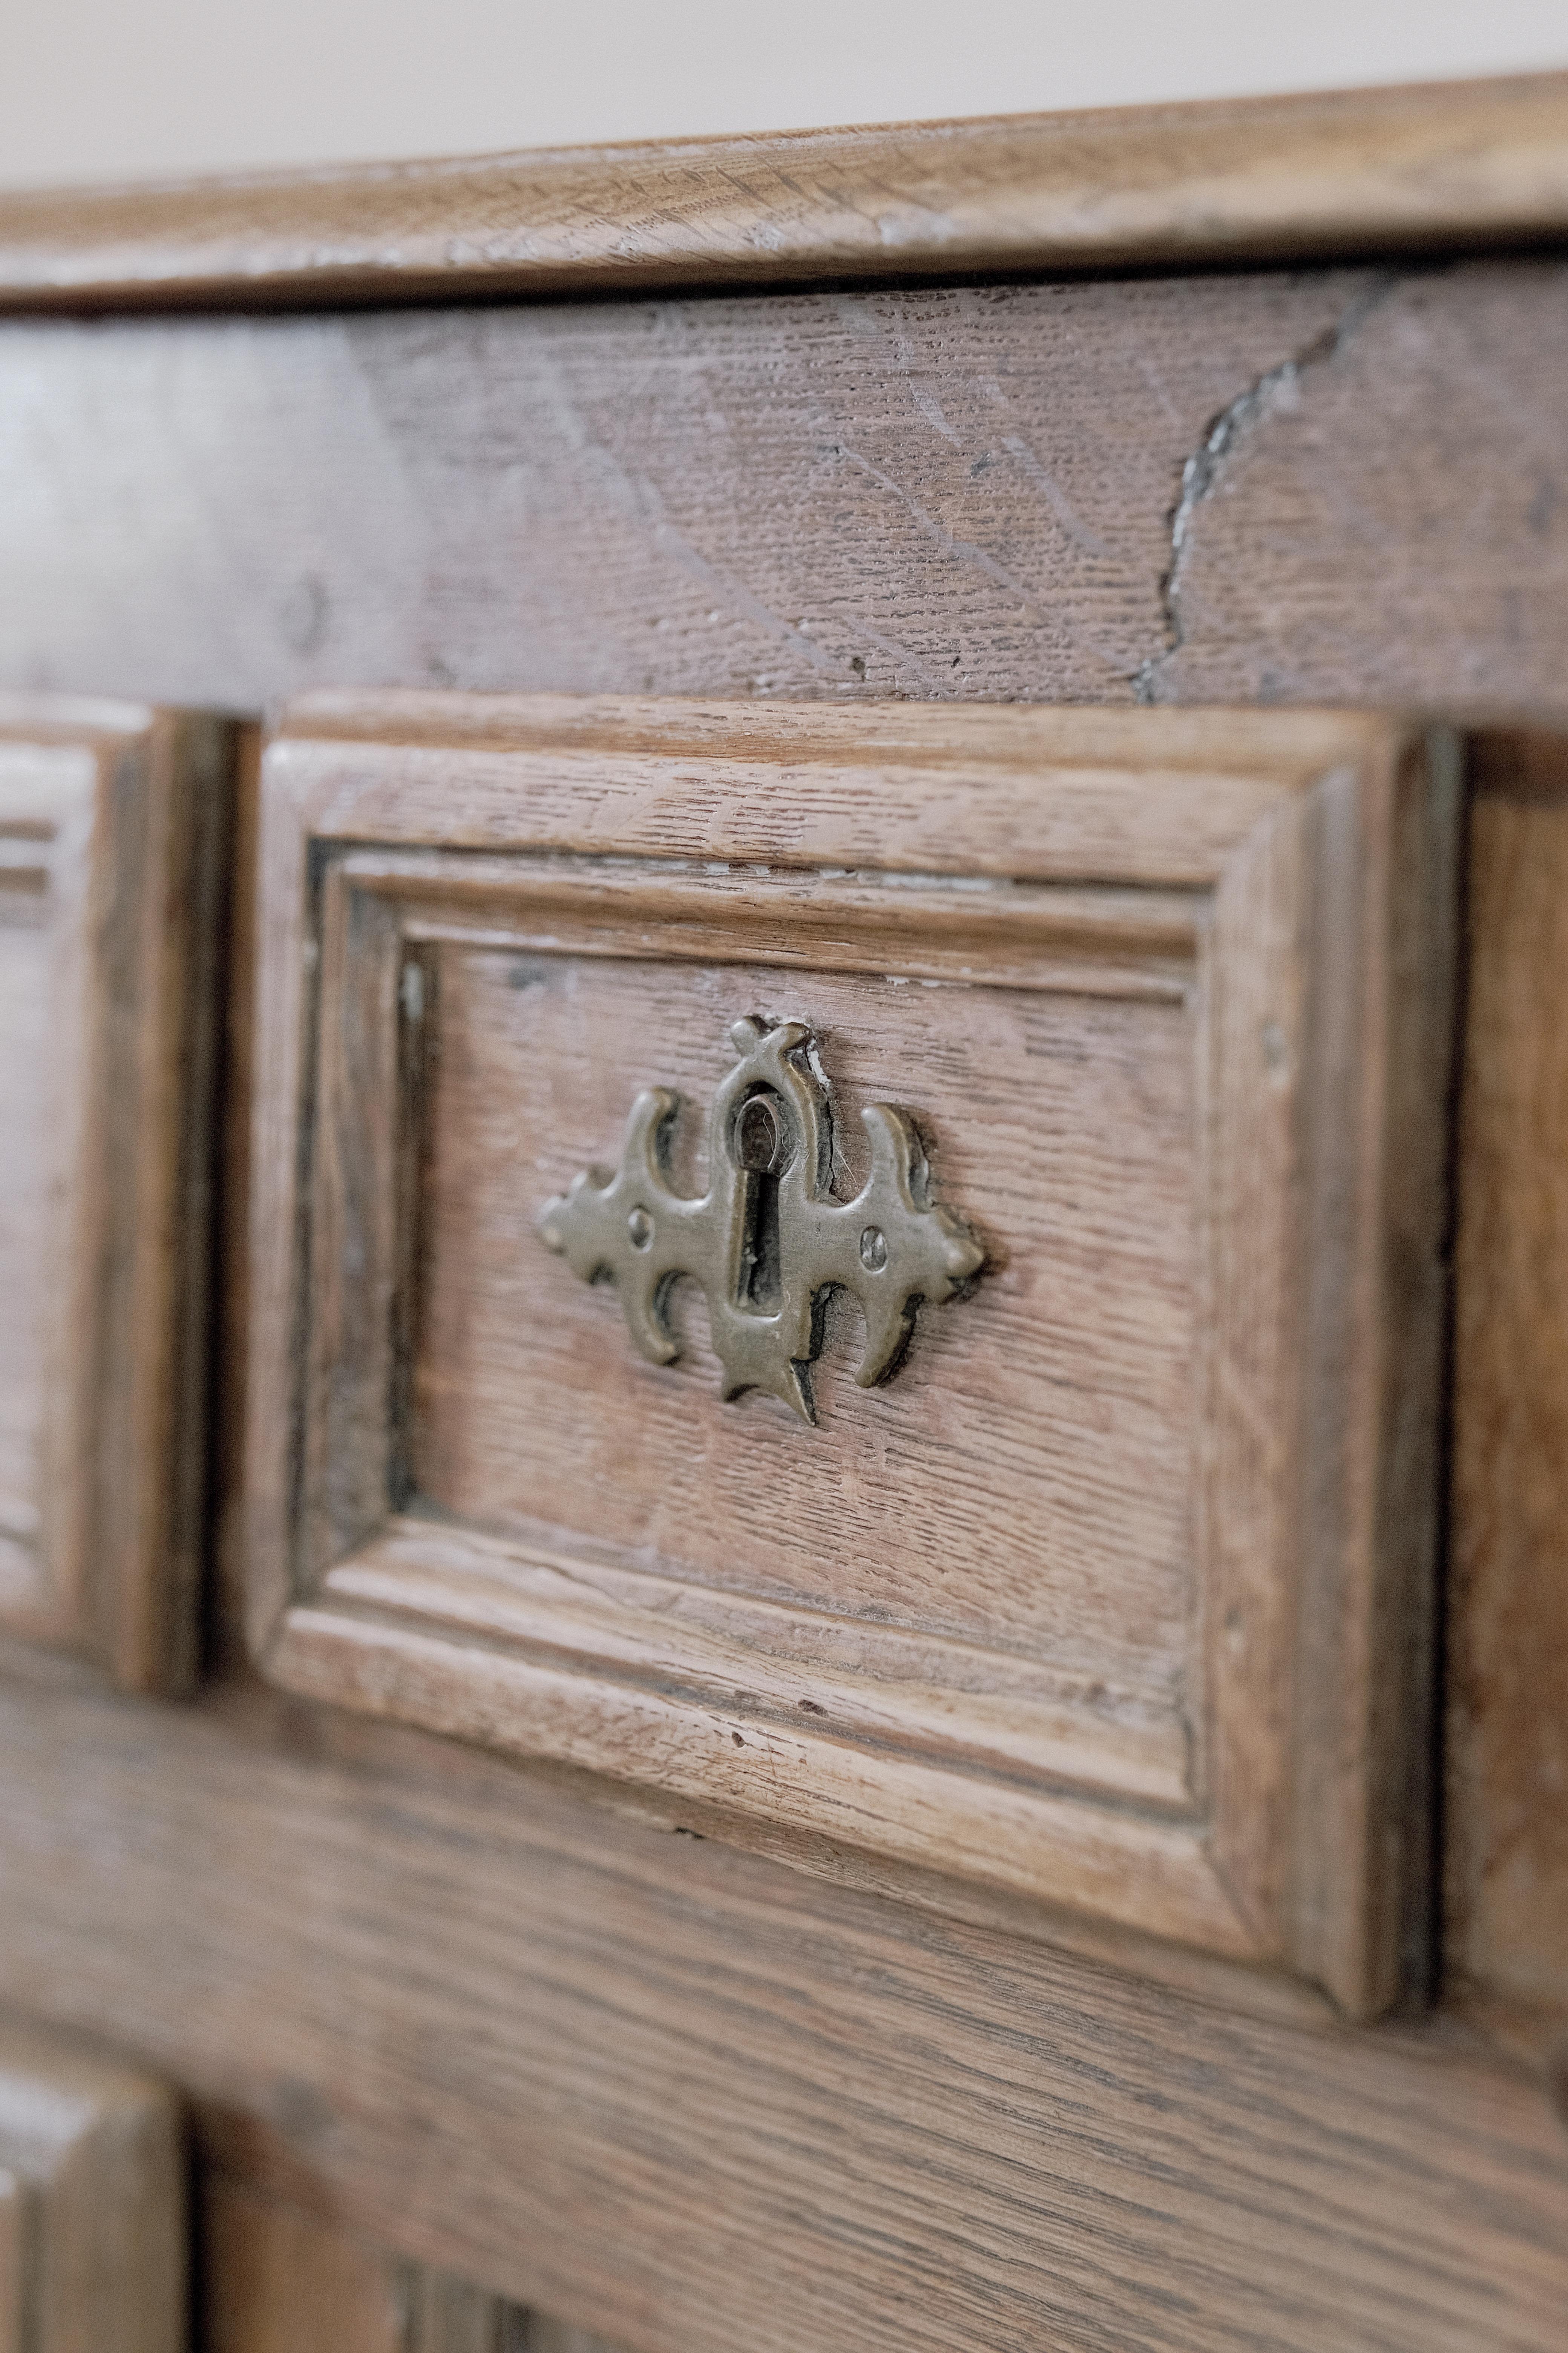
{"type": "Point", "coordinates": [1431, 167]}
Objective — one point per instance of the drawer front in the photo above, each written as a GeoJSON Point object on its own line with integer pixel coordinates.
{"type": "Point", "coordinates": [111, 821]}
{"type": "Point", "coordinates": [1026, 1473]}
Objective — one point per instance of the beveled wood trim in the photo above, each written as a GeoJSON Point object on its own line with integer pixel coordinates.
{"type": "Point", "coordinates": [1139, 1870]}
{"type": "Point", "coordinates": [1318, 1009]}
{"type": "Point", "coordinates": [423, 1623]}
{"type": "Point", "coordinates": [1422, 167]}
{"type": "Point", "coordinates": [1147, 802]}
{"type": "Point", "coordinates": [422, 1570]}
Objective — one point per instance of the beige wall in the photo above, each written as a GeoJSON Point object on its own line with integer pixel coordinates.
{"type": "Point", "coordinates": [98, 88]}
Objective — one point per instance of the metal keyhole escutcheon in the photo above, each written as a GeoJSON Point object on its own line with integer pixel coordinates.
{"type": "Point", "coordinates": [769, 1239]}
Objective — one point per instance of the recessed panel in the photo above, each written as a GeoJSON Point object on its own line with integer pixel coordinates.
{"type": "Point", "coordinates": [1025, 1480]}
{"type": "Point", "coordinates": [634, 1080]}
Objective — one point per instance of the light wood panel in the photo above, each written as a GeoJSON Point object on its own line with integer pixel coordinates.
{"type": "Point", "coordinates": [1092, 1600]}
{"type": "Point", "coordinates": [671, 2093]}
{"type": "Point", "coordinates": [92, 2204]}
{"type": "Point", "coordinates": [1359, 171]}
{"type": "Point", "coordinates": [111, 837]}
{"type": "Point", "coordinates": [1508, 1818]}
{"type": "Point", "coordinates": [277, 2278]}
{"type": "Point", "coordinates": [968, 494]}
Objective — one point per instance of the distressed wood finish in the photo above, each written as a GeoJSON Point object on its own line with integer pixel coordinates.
{"type": "Point", "coordinates": [1357, 171]}
{"type": "Point", "coordinates": [92, 2204]}
{"type": "Point", "coordinates": [1180, 489]}
{"type": "Point", "coordinates": [454, 2016]}
{"type": "Point", "coordinates": [1507, 1815]}
{"type": "Point", "coordinates": [671, 2093]}
{"type": "Point", "coordinates": [111, 833]}
{"type": "Point", "coordinates": [1091, 1601]}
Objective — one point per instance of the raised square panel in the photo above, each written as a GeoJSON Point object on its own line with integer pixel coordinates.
{"type": "Point", "coordinates": [111, 822]}
{"type": "Point", "coordinates": [1114, 1592]}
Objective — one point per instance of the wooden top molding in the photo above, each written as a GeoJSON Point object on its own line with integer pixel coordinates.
{"type": "Point", "coordinates": [1420, 168]}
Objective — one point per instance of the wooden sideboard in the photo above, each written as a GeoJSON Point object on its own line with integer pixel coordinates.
{"type": "Point", "coordinates": [1058, 625]}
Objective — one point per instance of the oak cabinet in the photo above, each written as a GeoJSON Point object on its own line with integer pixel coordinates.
{"type": "Point", "coordinates": [589, 1809]}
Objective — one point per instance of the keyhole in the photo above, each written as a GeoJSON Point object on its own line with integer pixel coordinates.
{"type": "Point", "coordinates": [764, 1143]}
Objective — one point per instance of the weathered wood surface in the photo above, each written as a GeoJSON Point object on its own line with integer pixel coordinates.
{"type": "Point", "coordinates": [670, 2092]}
{"type": "Point", "coordinates": [1313, 173]}
{"type": "Point", "coordinates": [1341, 487]}
{"type": "Point", "coordinates": [548, 2048]}
{"type": "Point", "coordinates": [1507, 1814]}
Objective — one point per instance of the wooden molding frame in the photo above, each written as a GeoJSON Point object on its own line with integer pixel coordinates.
{"type": "Point", "coordinates": [1287, 879]}
{"type": "Point", "coordinates": [1423, 168]}
{"type": "Point", "coordinates": [112, 823]}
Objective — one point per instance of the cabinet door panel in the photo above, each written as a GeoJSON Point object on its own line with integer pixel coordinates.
{"type": "Point", "coordinates": [111, 832]}
{"type": "Point", "coordinates": [1111, 1592]}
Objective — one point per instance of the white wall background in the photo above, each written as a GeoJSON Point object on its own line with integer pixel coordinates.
{"type": "Point", "coordinates": [93, 89]}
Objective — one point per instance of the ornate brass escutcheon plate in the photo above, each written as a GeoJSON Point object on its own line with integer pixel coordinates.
{"type": "Point", "coordinates": [768, 1239]}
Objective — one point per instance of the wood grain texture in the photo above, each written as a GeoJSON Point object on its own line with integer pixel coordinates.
{"type": "Point", "coordinates": [1117, 1597]}
{"type": "Point", "coordinates": [1508, 1817]}
{"type": "Point", "coordinates": [658, 2085]}
{"type": "Point", "coordinates": [278, 2278]}
{"type": "Point", "coordinates": [964, 495]}
{"type": "Point", "coordinates": [112, 844]}
{"type": "Point", "coordinates": [1358, 171]}
{"type": "Point", "coordinates": [1478, 468]}
{"type": "Point", "coordinates": [92, 2233]}
{"type": "Point", "coordinates": [670, 2093]}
